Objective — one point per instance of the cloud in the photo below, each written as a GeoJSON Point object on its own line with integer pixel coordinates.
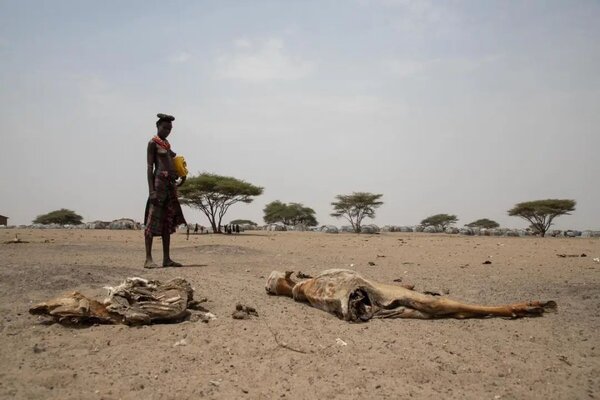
{"type": "Point", "coordinates": [180, 58]}
{"type": "Point", "coordinates": [268, 60]}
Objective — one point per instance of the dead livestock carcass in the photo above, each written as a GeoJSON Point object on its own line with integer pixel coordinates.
{"type": "Point", "coordinates": [349, 296]}
{"type": "Point", "coordinates": [136, 301]}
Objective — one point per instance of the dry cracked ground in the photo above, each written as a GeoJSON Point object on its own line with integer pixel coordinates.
{"type": "Point", "coordinates": [292, 351]}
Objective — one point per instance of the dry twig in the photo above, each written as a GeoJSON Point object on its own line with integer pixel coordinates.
{"type": "Point", "coordinates": [285, 346]}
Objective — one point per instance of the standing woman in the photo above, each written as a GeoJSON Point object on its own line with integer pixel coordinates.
{"type": "Point", "coordinates": [163, 213]}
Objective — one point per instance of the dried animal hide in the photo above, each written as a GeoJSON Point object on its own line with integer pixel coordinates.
{"type": "Point", "coordinates": [349, 296]}
{"type": "Point", "coordinates": [136, 301]}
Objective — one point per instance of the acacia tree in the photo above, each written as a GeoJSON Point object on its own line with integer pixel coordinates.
{"type": "Point", "coordinates": [242, 222]}
{"type": "Point", "coordinates": [273, 212]}
{"type": "Point", "coordinates": [483, 223]}
{"type": "Point", "coordinates": [541, 213]}
{"type": "Point", "coordinates": [62, 217]}
{"type": "Point", "coordinates": [355, 207]}
{"type": "Point", "coordinates": [441, 220]}
{"type": "Point", "coordinates": [214, 194]}
{"type": "Point", "coordinates": [289, 214]}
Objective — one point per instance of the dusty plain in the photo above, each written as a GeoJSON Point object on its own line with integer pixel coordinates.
{"type": "Point", "coordinates": [556, 356]}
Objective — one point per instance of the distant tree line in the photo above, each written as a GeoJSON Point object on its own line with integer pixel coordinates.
{"type": "Point", "coordinates": [214, 194]}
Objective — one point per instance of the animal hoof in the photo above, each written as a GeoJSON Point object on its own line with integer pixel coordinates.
{"type": "Point", "coordinates": [549, 305]}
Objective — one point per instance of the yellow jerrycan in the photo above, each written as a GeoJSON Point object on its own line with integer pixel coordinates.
{"type": "Point", "coordinates": [180, 166]}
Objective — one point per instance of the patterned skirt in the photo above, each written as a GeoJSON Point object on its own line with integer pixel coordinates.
{"type": "Point", "coordinates": [165, 216]}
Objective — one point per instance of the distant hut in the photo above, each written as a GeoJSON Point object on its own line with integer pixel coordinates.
{"type": "Point", "coordinates": [3, 220]}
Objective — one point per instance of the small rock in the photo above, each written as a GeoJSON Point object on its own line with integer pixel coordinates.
{"type": "Point", "coordinates": [244, 312]}
{"type": "Point", "coordinates": [371, 263]}
{"type": "Point", "coordinates": [487, 262]}
{"type": "Point", "coordinates": [38, 349]}
{"type": "Point", "coordinates": [181, 342]}
{"type": "Point", "coordinates": [340, 342]}
{"type": "Point", "coordinates": [239, 315]}
{"type": "Point", "coordinates": [201, 316]}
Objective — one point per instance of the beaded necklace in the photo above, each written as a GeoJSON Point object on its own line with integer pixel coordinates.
{"type": "Point", "coordinates": [164, 143]}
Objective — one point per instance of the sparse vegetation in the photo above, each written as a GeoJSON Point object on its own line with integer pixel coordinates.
{"type": "Point", "coordinates": [355, 207]}
{"type": "Point", "coordinates": [440, 220]}
{"type": "Point", "coordinates": [242, 222]}
{"type": "Point", "coordinates": [289, 214]}
{"type": "Point", "coordinates": [61, 217]}
{"type": "Point", "coordinates": [541, 213]}
{"type": "Point", "coordinates": [483, 223]}
{"type": "Point", "coordinates": [214, 194]}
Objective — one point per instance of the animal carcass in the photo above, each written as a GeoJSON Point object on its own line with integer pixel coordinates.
{"type": "Point", "coordinates": [351, 297]}
{"type": "Point", "coordinates": [136, 301]}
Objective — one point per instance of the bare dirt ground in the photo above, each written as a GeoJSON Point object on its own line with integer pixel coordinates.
{"type": "Point", "coordinates": [556, 356]}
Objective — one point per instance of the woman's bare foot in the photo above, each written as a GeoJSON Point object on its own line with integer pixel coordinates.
{"type": "Point", "coordinates": [171, 263]}
{"type": "Point", "coordinates": [150, 264]}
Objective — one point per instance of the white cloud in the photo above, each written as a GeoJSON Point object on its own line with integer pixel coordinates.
{"type": "Point", "coordinates": [262, 61]}
{"type": "Point", "coordinates": [180, 57]}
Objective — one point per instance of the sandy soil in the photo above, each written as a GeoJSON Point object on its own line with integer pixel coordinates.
{"type": "Point", "coordinates": [552, 357]}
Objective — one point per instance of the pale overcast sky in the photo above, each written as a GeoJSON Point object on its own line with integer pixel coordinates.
{"type": "Point", "coordinates": [462, 107]}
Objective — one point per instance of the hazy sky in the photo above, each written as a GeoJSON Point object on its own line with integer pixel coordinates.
{"type": "Point", "coordinates": [463, 107]}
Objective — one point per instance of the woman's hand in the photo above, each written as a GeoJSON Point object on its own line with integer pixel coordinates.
{"type": "Point", "coordinates": [182, 181]}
